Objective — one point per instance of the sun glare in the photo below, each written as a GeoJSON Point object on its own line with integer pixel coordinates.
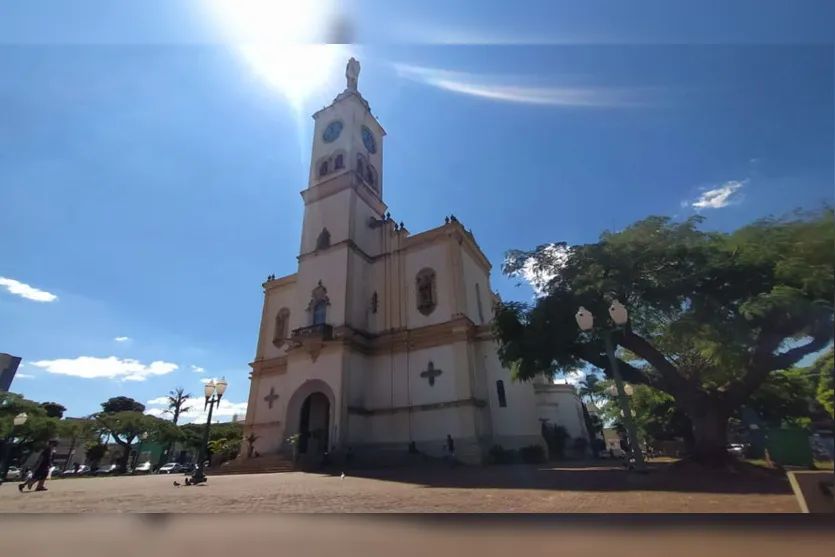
{"type": "Point", "coordinates": [277, 39]}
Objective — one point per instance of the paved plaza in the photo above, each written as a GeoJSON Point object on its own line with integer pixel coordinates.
{"type": "Point", "coordinates": [509, 489]}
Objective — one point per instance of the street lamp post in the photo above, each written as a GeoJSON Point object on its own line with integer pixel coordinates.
{"type": "Point", "coordinates": [18, 421]}
{"type": "Point", "coordinates": [213, 393]}
{"type": "Point", "coordinates": [619, 317]}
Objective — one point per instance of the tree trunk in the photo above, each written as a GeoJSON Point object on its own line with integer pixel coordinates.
{"type": "Point", "coordinates": [710, 433]}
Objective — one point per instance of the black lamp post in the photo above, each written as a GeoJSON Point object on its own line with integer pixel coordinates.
{"type": "Point", "coordinates": [619, 317]}
{"type": "Point", "coordinates": [213, 393]}
{"type": "Point", "coordinates": [18, 421]}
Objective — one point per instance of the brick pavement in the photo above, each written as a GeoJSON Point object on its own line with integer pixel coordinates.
{"type": "Point", "coordinates": [489, 490]}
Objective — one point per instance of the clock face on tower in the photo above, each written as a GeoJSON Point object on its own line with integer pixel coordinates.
{"type": "Point", "coordinates": [332, 132]}
{"type": "Point", "coordinates": [368, 140]}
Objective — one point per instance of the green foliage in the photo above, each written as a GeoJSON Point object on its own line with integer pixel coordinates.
{"type": "Point", "coordinates": [122, 404]}
{"type": "Point", "coordinates": [225, 449]}
{"type": "Point", "coordinates": [532, 454]}
{"type": "Point", "coordinates": [38, 429]}
{"type": "Point", "coordinates": [53, 409]}
{"type": "Point", "coordinates": [824, 369]}
{"type": "Point", "coordinates": [95, 451]}
{"type": "Point", "coordinates": [500, 455]}
{"type": "Point", "coordinates": [710, 313]}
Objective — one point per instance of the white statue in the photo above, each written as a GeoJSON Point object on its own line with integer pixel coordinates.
{"type": "Point", "coordinates": [352, 73]}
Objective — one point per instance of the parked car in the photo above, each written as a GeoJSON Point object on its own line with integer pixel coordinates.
{"type": "Point", "coordinates": [144, 468]}
{"type": "Point", "coordinates": [13, 473]}
{"type": "Point", "coordinates": [188, 468]}
{"type": "Point", "coordinates": [82, 470]}
{"type": "Point", "coordinates": [106, 470]}
{"type": "Point", "coordinates": [170, 468]}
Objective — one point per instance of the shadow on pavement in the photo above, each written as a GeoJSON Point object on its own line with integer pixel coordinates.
{"type": "Point", "coordinates": [582, 477]}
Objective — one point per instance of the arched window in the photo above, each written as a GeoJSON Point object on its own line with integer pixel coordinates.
{"type": "Point", "coordinates": [323, 168]}
{"type": "Point", "coordinates": [318, 306]}
{"type": "Point", "coordinates": [324, 240]}
{"type": "Point", "coordinates": [320, 311]}
{"type": "Point", "coordinates": [501, 393]}
{"type": "Point", "coordinates": [360, 166]}
{"type": "Point", "coordinates": [425, 290]}
{"type": "Point", "coordinates": [282, 322]}
{"type": "Point", "coordinates": [371, 177]}
{"type": "Point", "coordinates": [339, 162]}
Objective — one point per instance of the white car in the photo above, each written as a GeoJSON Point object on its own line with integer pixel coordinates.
{"type": "Point", "coordinates": [170, 468]}
{"type": "Point", "coordinates": [13, 473]}
{"type": "Point", "coordinates": [144, 468]}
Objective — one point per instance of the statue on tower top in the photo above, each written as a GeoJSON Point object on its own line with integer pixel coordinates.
{"type": "Point", "coordinates": [352, 73]}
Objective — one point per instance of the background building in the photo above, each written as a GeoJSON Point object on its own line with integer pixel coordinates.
{"type": "Point", "coordinates": [8, 369]}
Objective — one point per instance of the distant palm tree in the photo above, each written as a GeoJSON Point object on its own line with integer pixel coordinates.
{"type": "Point", "coordinates": [590, 388]}
{"type": "Point", "coordinates": [178, 404]}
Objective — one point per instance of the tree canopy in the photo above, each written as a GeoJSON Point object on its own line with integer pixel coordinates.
{"type": "Point", "coordinates": [711, 314]}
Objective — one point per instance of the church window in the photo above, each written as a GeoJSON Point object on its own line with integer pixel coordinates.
{"type": "Point", "coordinates": [318, 305]}
{"type": "Point", "coordinates": [501, 393]}
{"type": "Point", "coordinates": [339, 162]}
{"type": "Point", "coordinates": [478, 301]}
{"type": "Point", "coordinates": [323, 168]}
{"type": "Point", "coordinates": [282, 322]}
{"type": "Point", "coordinates": [324, 240]}
{"type": "Point", "coordinates": [360, 166]}
{"type": "Point", "coordinates": [320, 310]}
{"type": "Point", "coordinates": [426, 290]}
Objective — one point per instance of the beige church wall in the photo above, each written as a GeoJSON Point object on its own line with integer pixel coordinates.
{"type": "Point", "coordinates": [434, 256]}
{"type": "Point", "coordinates": [516, 424]}
{"type": "Point", "coordinates": [475, 274]}
{"type": "Point", "coordinates": [368, 239]}
{"type": "Point", "coordinates": [560, 405]}
{"type": "Point", "coordinates": [331, 267]}
{"type": "Point", "coordinates": [428, 428]}
{"type": "Point", "coordinates": [329, 212]}
{"type": "Point", "coordinates": [362, 285]}
{"type": "Point", "coordinates": [300, 370]}
{"type": "Point", "coordinates": [275, 300]}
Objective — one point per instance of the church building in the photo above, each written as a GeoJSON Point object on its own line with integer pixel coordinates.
{"type": "Point", "coordinates": [381, 340]}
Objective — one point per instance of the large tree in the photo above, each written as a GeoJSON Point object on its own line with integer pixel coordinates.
{"type": "Point", "coordinates": [178, 404]}
{"type": "Point", "coordinates": [823, 370]}
{"type": "Point", "coordinates": [712, 314]}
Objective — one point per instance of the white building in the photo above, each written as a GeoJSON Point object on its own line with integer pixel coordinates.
{"type": "Point", "coordinates": [382, 337]}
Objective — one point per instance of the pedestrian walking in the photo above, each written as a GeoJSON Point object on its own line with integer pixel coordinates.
{"type": "Point", "coordinates": [42, 468]}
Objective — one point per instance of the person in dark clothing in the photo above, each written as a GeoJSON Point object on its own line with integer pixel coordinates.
{"type": "Point", "coordinates": [450, 445]}
{"type": "Point", "coordinates": [45, 462]}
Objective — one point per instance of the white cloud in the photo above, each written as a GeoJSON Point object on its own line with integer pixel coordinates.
{"type": "Point", "coordinates": [89, 367]}
{"type": "Point", "coordinates": [196, 369]}
{"type": "Point", "coordinates": [720, 197]}
{"type": "Point", "coordinates": [222, 412]}
{"type": "Point", "coordinates": [122, 339]}
{"type": "Point", "coordinates": [500, 90]}
{"type": "Point", "coordinates": [575, 377]}
{"type": "Point", "coordinates": [25, 291]}
{"type": "Point", "coordinates": [539, 278]}
{"type": "Point", "coordinates": [23, 376]}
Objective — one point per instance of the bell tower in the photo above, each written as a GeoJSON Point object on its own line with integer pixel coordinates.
{"type": "Point", "coordinates": [345, 184]}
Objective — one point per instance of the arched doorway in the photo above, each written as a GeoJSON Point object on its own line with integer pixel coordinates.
{"type": "Point", "coordinates": [314, 424]}
{"type": "Point", "coordinates": [311, 413]}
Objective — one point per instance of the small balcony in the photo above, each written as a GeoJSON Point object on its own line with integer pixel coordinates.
{"type": "Point", "coordinates": [322, 331]}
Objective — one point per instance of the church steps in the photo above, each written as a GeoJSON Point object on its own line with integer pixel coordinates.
{"type": "Point", "coordinates": [259, 465]}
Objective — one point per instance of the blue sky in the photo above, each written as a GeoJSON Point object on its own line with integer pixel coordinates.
{"type": "Point", "coordinates": [150, 166]}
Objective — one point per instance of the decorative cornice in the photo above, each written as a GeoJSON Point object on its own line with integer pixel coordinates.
{"type": "Point", "coordinates": [280, 282]}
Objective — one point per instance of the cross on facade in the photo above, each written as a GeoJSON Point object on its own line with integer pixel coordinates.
{"type": "Point", "coordinates": [431, 373]}
{"type": "Point", "coordinates": [271, 398]}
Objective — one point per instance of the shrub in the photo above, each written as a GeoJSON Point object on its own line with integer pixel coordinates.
{"type": "Point", "coordinates": [555, 437]}
{"type": "Point", "coordinates": [500, 455]}
{"type": "Point", "coordinates": [532, 454]}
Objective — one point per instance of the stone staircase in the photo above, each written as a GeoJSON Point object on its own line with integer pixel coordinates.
{"type": "Point", "coordinates": [268, 464]}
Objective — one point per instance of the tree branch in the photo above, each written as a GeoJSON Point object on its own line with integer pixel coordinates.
{"type": "Point", "coordinates": [669, 373]}
{"type": "Point", "coordinates": [628, 372]}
